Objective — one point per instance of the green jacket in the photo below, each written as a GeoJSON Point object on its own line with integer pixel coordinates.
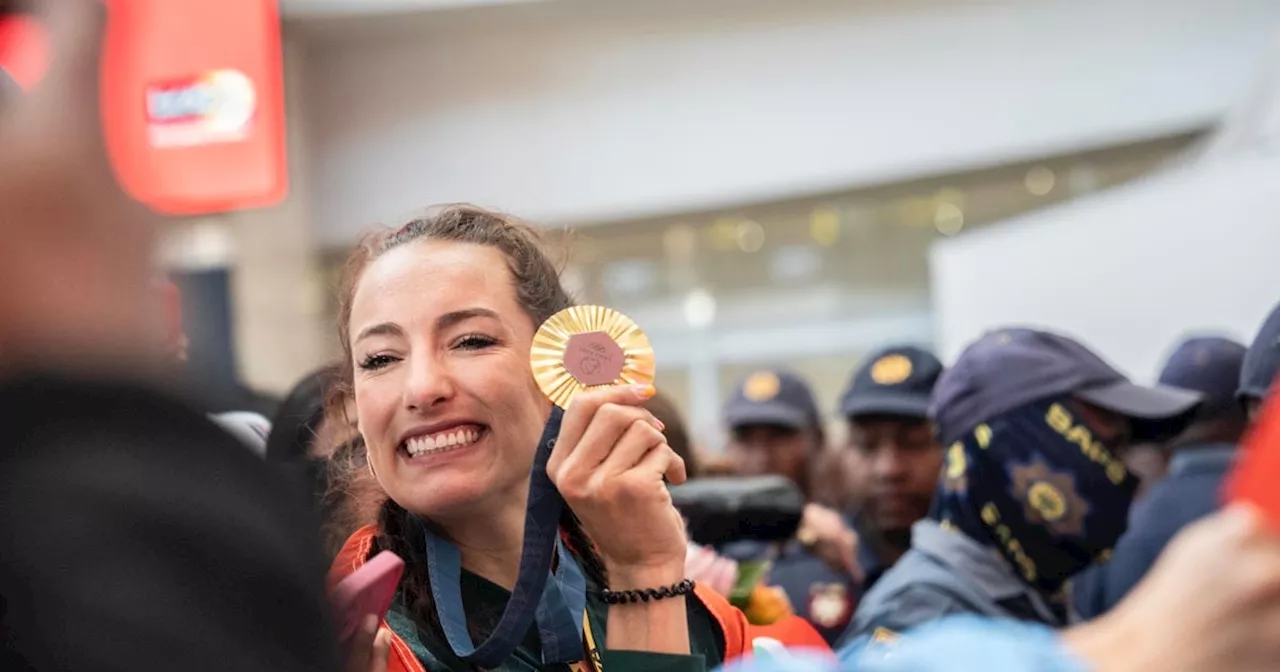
{"type": "Point", "coordinates": [714, 628]}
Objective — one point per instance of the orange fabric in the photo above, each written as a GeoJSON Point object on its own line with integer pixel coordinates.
{"type": "Point", "coordinates": [791, 631]}
{"type": "Point", "coordinates": [353, 555]}
{"type": "Point", "coordinates": [767, 604]}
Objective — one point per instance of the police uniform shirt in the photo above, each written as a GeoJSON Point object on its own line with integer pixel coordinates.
{"type": "Point", "coordinates": [1190, 492]}
{"type": "Point", "coordinates": [823, 597]}
{"type": "Point", "coordinates": [945, 573]}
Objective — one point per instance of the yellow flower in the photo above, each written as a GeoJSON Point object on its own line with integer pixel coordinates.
{"type": "Point", "coordinates": [767, 605]}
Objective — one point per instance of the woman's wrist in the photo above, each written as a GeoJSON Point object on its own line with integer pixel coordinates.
{"type": "Point", "coordinates": [640, 577]}
{"type": "Point", "coordinates": [657, 626]}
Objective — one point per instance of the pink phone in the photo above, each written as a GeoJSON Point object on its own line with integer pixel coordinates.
{"type": "Point", "coordinates": [367, 591]}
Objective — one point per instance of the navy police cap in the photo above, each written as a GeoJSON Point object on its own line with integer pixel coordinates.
{"type": "Point", "coordinates": [1209, 365]}
{"type": "Point", "coordinates": [772, 397]}
{"type": "Point", "coordinates": [1262, 360]}
{"type": "Point", "coordinates": [896, 380]}
{"type": "Point", "coordinates": [1012, 367]}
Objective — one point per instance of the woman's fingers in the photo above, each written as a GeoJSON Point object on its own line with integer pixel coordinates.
{"type": "Point", "coordinates": [661, 463]}
{"type": "Point", "coordinates": [361, 647]}
{"type": "Point", "coordinates": [595, 421]}
{"type": "Point", "coordinates": [672, 466]}
{"type": "Point", "coordinates": [381, 651]}
{"type": "Point", "coordinates": [640, 436]}
{"type": "Point", "coordinates": [609, 463]}
{"type": "Point", "coordinates": [601, 465]}
{"type": "Point", "coordinates": [583, 407]}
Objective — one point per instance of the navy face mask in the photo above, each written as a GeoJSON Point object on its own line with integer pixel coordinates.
{"type": "Point", "coordinates": [556, 602]}
{"type": "Point", "coordinates": [1038, 484]}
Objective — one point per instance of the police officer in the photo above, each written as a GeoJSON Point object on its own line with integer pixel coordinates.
{"type": "Point", "coordinates": [886, 407]}
{"type": "Point", "coordinates": [1032, 490]}
{"type": "Point", "coordinates": [1260, 365]}
{"type": "Point", "coordinates": [1201, 456]}
{"type": "Point", "coordinates": [775, 429]}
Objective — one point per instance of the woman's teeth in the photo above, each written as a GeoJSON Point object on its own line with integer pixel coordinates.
{"type": "Point", "coordinates": [442, 442]}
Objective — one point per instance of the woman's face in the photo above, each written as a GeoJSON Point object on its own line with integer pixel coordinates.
{"type": "Point", "coordinates": [444, 395]}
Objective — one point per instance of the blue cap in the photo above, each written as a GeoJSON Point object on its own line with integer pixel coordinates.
{"type": "Point", "coordinates": [772, 398]}
{"type": "Point", "coordinates": [1209, 365]}
{"type": "Point", "coordinates": [1261, 361]}
{"type": "Point", "coordinates": [1012, 367]}
{"type": "Point", "coordinates": [895, 381]}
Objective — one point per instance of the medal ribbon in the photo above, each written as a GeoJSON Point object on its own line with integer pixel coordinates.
{"type": "Point", "coordinates": [553, 604]}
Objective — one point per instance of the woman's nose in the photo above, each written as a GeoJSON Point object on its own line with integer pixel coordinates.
{"type": "Point", "coordinates": [429, 383]}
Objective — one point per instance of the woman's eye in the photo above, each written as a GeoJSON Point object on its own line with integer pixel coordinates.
{"type": "Point", "coordinates": [375, 362]}
{"type": "Point", "coordinates": [474, 342]}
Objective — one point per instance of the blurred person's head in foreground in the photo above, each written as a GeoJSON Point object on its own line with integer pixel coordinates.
{"type": "Point", "coordinates": [886, 407]}
{"type": "Point", "coordinates": [1034, 423]}
{"type": "Point", "coordinates": [76, 263]}
{"type": "Point", "coordinates": [1260, 365]}
{"type": "Point", "coordinates": [774, 427]}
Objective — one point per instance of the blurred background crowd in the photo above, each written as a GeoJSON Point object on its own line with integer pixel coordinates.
{"type": "Point", "coordinates": [761, 184]}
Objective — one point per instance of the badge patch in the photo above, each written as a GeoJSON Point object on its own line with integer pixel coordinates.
{"type": "Point", "coordinates": [891, 370]}
{"type": "Point", "coordinates": [883, 635]}
{"type": "Point", "coordinates": [1050, 498]}
{"type": "Point", "coordinates": [881, 644]}
{"type": "Point", "coordinates": [761, 386]}
{"type": "Point", "coordinates": [829, 605]}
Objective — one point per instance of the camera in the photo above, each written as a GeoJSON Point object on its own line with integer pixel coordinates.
{"type": "Point", "coordinates": [721, 510]}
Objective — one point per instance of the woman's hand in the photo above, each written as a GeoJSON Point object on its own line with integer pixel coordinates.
{"type": "Point", "coordinates": [612, 465]}
{"type": "Point", "coordinates": [369, 648]}
{"type": "Point", "coordinates": [1211, 602]}
{"type": "Point", "coordinates": [710, 569]}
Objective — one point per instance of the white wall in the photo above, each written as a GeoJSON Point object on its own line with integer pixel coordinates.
{"type": "Point", "coordinates": [579, 111]}
{"type": "Point", "coordinates": [1128, 271]}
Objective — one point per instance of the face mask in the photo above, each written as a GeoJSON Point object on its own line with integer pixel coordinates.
{"type": "Point", "coordinates": [1039, 485]}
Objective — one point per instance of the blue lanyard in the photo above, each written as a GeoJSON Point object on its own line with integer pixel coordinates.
{"type": "Point", "coordinates": [557, 605]}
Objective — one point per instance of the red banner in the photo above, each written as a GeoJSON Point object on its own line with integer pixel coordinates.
{"type": "Point", "coordinates": [193, 103]}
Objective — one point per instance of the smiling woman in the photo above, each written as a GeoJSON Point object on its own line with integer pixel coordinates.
{"type": "Point", "coordinates": [436, 322]}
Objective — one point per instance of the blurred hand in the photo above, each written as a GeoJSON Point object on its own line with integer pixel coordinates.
{"type": "Point", "coordinates": [825, 532]}
{"type": "Point", "coordinates": [369, 648]}
{"type": "Point", "coordinates": [609, 463]}
{"type": "Point", "coordinates": [709, 568]}
{"type": "Point", "coordinates": [1211, 602]}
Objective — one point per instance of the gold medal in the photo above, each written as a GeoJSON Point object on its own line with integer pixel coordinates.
{"type": "Point", "coordinates": [583, 347]}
